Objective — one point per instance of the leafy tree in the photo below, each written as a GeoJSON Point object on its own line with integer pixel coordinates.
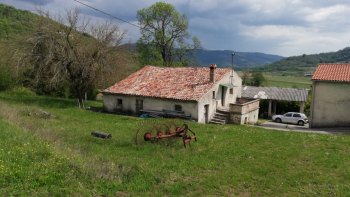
{"type": "Point", "coordinates": [164, 34]}
{"type": "Point", "coordinates": [69, 48]}
{"type": "Point", "coordinates": [245, 77]}
{"type": "Point", "coordinates": [257, 79]}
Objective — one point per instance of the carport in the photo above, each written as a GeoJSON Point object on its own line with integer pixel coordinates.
{"type": "Point", "coordinates": [274, 94]}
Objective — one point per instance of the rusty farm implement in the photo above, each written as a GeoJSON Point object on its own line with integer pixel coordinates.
{"type": "Point", "coordinates": [166, 129]}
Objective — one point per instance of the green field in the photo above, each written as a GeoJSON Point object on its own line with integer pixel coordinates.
{"type": "Point", "coordinates": [277, 80]}
{"type": "Point", "coordinates": [41, 156]}
{"type": "Point", "coordinates": [288, 82]}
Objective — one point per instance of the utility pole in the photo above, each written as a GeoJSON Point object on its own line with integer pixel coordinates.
{"type": "Point", "coordinates": [233, 54]}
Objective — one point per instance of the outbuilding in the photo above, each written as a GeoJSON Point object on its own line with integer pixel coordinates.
{"type": "Point", "coordinates": [330, 104]}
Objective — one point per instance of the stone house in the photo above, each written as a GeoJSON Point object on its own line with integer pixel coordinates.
{"type": "Point", "coordinates": [198, 91]}
{"type": "Point", "coordinates": [330, 103]}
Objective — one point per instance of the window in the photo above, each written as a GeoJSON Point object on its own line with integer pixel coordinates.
{"type": "Point", "coordinates": [213, 94]}
{"type": "Point", "coordinates": [231, 90]}
{"type": "Point", "coordinates": [288, 115]}
{"type": "Point", "coordinates": [178, 108]}
{"type": "Point", "coordinates": [119, 103]}
{"type": "Point", "coordinates": [296, 115]}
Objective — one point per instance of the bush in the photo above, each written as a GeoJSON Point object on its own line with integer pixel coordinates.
{"type": "Point", "coordinates": [6, 81]}
{"type": "Point", "coordinates": [21, 91]}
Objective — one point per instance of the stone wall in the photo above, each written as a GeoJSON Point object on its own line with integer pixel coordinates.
{"type": "Point", "coordinates": [244, 113]}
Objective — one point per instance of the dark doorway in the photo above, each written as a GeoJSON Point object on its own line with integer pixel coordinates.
{"type": "Point", "coordinates": [139, 106]}
{"type": "Point", "coordinates": [206, 114]}
{"type": "Point", "coordinates": [223, 96]}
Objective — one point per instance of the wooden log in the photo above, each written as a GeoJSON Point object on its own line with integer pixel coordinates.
{"type": "Point", "coordinates": [47, 114]}
{"type": "Point", "coordinates": [101, 134]}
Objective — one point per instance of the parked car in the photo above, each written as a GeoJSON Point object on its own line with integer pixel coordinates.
{"type": "Point", "coordinates": [291, 117]}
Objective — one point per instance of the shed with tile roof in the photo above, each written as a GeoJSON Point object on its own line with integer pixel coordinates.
{"type": "Point", "coordinates": [274, 94]}
{"type": "Point", "coordinates": [330, 104]}
{"type": "Point", "coordinates": [195, 90]}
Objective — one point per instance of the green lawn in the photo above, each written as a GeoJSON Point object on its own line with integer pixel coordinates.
{"type": "Point", "coordinates": [43, 156]}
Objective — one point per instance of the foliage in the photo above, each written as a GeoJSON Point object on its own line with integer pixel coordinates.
{"type": "Point", "coordinates": [164, 34]}
{"type": "Point", "coordinates": [226, 160]}
{"type": "Point", "coordinates": [63, 53]}
{"type": "Point", "coordinates": [308, 104]}
{"type": "Point", "coordinates": [245, 77]}
{"type": "Point", "coordinates": [6, 81]}
{"type": "Point", "coordinates": [14, 22]}
{"type": "Point", "coordinates": [20, 91]}
{"type": "Point", "coordinates": [257, 79]}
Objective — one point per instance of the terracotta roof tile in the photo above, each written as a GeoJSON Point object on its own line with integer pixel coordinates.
{"type": "Point", "coordinates": [332, 72]}
{"type": "Point", "coordinates": [183, 83]}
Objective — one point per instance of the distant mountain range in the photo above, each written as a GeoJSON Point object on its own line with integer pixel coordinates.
{"type": "Point", "coordinates": [304, 62]}
{"type": "Point", "coordinates": [242, 60]}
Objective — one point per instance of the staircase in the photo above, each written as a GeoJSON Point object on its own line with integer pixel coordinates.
{"type": "Point", "coordinates": [220, 117]}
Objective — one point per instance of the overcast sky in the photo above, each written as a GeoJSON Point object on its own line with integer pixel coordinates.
{"type": "Point", "coordinates": [281, 27]}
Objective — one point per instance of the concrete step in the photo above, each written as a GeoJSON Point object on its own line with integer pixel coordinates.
{"type": "Point", "coordinates": [222, 112]}
{"type": "Point", "coordinates": [221, 115]}
{"type": "Point", "coordinates": [218, 120]}
{"type": "Point", "coordinates": [215, 122]}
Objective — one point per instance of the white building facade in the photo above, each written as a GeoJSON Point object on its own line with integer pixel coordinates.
{"type": "Point", "coordinates": [194, 90]}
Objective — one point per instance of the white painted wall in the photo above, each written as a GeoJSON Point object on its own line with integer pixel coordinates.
{"type": "Point", "coordinates": [149, 103]}
{"type": "Point", "coordinates": [196, 109]}
{"type": "Point", "coordinates": [216, 103]}
{"type": "Point", "coordinates": [330, 105]}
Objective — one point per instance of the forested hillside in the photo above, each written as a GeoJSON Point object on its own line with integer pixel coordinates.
{"type": "Point", "coordinates": [304, 62]}
{"type": "Point", "coordinates": [14, 21]}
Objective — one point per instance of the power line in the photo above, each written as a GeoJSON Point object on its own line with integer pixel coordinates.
{"type": "Point", "coordinates": [147, 30]}
{"type": "Point", "coordinates": [108, 14]}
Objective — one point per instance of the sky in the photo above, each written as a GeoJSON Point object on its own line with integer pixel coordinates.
{"type": "Point", "coordinates": [280, 27]}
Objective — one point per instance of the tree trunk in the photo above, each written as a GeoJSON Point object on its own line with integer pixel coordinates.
{"type": "Point", "coordinates": [80, 97]}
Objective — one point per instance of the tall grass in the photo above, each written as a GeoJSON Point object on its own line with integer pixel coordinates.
{"type": "Point", "coordinates": [227, 160]}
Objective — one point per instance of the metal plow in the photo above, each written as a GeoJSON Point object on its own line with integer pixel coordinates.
{"type": "Point", "coordinates": [167, 129]}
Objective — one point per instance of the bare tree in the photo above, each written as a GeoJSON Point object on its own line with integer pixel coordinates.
{"type": "Point", "coordinates": [70, 47]}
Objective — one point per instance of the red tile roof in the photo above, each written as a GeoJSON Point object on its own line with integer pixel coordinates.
{"type": "Point", "coordinates": [332, 72]}
{"type": "Point", "coordinates": [183, 83]}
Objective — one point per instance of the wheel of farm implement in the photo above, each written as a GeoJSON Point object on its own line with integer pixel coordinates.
{"type": "Point", "coordinates": [141, 134]}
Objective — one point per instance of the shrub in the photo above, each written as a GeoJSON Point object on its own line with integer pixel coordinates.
{"type": "Point", "coordinates": [6, 81]}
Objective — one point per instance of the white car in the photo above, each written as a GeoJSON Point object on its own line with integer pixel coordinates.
{"type": "Point", "coordinates": [291, 117]}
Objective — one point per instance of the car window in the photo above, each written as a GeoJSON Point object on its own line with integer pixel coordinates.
{"type": "Point", "coordinates": [288, 115]}
{"type": "Point", "coordinates": [296, 115]}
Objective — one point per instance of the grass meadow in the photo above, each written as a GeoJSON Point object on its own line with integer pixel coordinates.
{"type": "Point", "coordinates": [42, 156]}
{"type": "Point", "coordinates": [277, 80]}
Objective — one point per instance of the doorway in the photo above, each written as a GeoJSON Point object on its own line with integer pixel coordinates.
{"type": "Point", "coordinates": [139, 106]}
{"type": "Point", "coordinates": [223, 94]}
{"type": "Point", "coordinates": [206, 114]}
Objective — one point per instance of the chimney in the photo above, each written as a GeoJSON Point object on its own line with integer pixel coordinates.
{"type": "Point", "coordinates": [212, 73]}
